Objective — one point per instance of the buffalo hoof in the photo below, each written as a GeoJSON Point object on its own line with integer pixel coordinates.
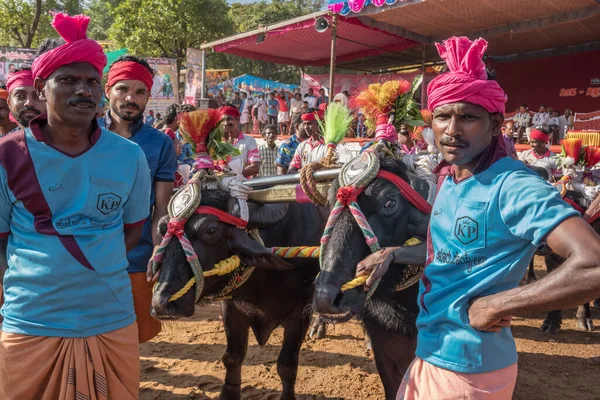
{"type": "Point", "coordinates": [551, 327]}
{"type": "Point", "coordinates": [585, 324]}
{"type": "Point", "coordinates": [318, 329]}
{"type": "Point", "coordinates": [230, 392]}
{"type": "Point", "coordinates": [287, 396]}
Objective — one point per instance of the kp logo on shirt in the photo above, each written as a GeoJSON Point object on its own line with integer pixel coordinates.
{"type": "Point", "coordinates": [108, 202]}
{"type": "Point", "coordinates": [467, 230]}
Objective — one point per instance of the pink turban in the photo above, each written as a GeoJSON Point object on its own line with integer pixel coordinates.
{"type": "Point", "coordinates": [77, 49]}
{"type": "Point", "coordinates": [21, 78]}
{"type": "Point", "coordinates": [386, 132]}
{"type": "Point", "coordinates": [467, 79]}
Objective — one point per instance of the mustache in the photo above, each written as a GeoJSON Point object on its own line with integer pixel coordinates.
{"type": "Point", "coordinates": [132, 105]}
{"type": "Point", "coordinates": [83, 100]}
{"type": "Point", "coordinates": [27, 109]}
{"type": "Point", "coordinates": [452, 142]}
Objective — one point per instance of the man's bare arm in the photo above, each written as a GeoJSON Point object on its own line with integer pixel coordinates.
{"type": "Point", "coordinates": [576, 282]}
{"type": "Point", "coordinates": [251, 169]}
{"type": "Point", "coordinates": [132, 236]}
{"type": "Point", "coordinates": [281, 170]}
{"type": "Point", "coordinates": [162, 194]}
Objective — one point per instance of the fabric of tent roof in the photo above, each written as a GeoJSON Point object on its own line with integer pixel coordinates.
{"type": "Point", "coordinates": [300, 44]}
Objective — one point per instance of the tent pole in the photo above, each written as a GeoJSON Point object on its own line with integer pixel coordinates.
{"type": "Point", "coordinates": [332, 61]}
{"type": "Point", "coordinates": [423, 70]}
{"type": "Point", "coordinates": [203, 77]}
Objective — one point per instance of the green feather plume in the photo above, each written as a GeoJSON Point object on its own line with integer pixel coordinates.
{"type": "Point", "coordinates": [336, 123]}
{"type": "Point", "coordinates": [219, 149]}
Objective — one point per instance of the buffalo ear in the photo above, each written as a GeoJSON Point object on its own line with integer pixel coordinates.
{"type": "Point", "coordinates": [253, 253]}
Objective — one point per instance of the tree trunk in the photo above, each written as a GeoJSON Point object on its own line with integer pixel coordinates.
{"type": "Point", "coordinates": [35, 23]}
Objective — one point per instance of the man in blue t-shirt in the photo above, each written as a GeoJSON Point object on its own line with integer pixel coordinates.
{"type": "Point", "coordinates": [490, 215]}
{"type": "Point", "coordinates": [73, 198]}
{"type": "Point", "coordinates": [128, 90]}
{"type": "Point", "coordinates": [272, 109]}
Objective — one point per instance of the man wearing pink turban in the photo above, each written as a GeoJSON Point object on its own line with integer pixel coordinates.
{"type": "Point", "coordinates": [73, 200]}
{"type": "Point", "coordinates": [490, 215]}
{"type": "Point", "coordinates": [23, 101]}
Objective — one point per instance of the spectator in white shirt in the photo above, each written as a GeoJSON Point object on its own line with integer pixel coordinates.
{"type": "Point", "coordinates": [565, 123]}
{"type": "Point", "coordinates": [553, 126]}
{"type": "Point", "coordinates": [541, 117]}
{"type": "Point", "coordinates": [522, 121]}
{"type": "Point", "coordinates": [311, 99]}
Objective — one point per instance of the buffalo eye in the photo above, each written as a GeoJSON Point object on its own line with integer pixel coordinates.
{"type": "Point", "coordinates": [390, 205]}
{"type": "Point", "coordinates": [212, 230]}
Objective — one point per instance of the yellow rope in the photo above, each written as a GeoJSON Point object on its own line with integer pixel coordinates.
{"type": "Point", "coordinates": [221, 268]}
{"type": "Point", "coordinates": [358, 281]}
{"type": "Point", "coordinates": [297, 251]}
{"type": "Point", "coordinates": [224, 267]}
{"type": "Point", "coordinates": [183, 290]}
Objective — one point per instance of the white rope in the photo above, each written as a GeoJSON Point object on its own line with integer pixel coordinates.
{"type": "Point", "coordinates": [236, 188]}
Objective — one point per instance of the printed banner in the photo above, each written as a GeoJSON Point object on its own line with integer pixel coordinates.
{"type": "Point", "coordinates": [165, 88]}
{"type": "Point", "coordinates": [193, 77]}
{"type": "Point", "coordinates": [12, 58]}
{"type": "Point", "coordinates": [215, 78]}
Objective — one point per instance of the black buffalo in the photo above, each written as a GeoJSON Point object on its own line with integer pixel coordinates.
{"type": "Point", "coordinates": [553, 321]}
{"type": "Point", "coordinates": [278, 293]}
{"type": "Point", "coordinates": [389, 315]}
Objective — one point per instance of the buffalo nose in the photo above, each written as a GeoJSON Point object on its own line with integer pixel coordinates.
{"type": "Point", "coordinates": [160, 304]}
{"type": "Point", "coordinates": [325, 300]}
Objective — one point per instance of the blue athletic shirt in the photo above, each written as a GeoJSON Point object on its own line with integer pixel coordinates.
{"type": "Point", "coordinates": [483, 232]}
{"type": "Point", "coordinates": [162, 160]}
{"type": "Point", "coordinates": [64, 217]}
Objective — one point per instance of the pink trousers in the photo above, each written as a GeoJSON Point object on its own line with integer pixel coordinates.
{"type": "Point", "coordinates": [424, 381]}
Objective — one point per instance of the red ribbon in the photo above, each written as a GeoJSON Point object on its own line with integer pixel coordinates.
{"type": "Point", "coordinates": [348, 194]}
{"type": "Point", "coordinates": [222, 215]}
{"type": "Point", "coordinates": [407, 191]}
{"type": "Point", "coordinates": [175, 227]}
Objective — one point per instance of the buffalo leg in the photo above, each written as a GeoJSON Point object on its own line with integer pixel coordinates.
{"type": "Point", "coordinates": [295, 328]}
{"type": "Point", "coordinates": [530, 273]}
{"type": "Point", "coordinates": [584, 318]}
{"type": "Point", "coordinates": [236, 331]}
{"type": "Point", "coordinates": [393, 354]}
{"type": "Point", "coordinates": [318, 329]}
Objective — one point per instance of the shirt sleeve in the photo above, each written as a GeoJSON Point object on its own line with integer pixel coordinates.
{"type": "Point", "coordinates": [284, 158]}
{"type": "Point", "coordinates": [137, 205]}
{"type": "Point", "coordinates": [253, 153]}
{"type": "Point", "coordinates": [5, 205]}
{"type": "Point", "coordinates": [530, 207]}
{"type": "Point", "coordinates": [297, 160]}
{"type": "Point", "coordinates": [167, 163]}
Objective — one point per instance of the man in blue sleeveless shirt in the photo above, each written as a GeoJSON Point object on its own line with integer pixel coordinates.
{"type": "Point", "coordinates": [490, 215]}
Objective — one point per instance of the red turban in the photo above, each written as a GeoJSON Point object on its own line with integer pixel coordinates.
{"type": "Point", "coordinates": [230, 111]}
{"type": "Point", "coordinates": [129, 70]}
{"type": "Point", "coordinates": [17, 79]}
{"type": "Point", "coordinates": [77, 49]}
{"type": "Point", "coordinates": [467, 79]}
{"type": "Point", "coordinates": [539, 135]}
{"type": "Point", "coordinates": [308, 117]}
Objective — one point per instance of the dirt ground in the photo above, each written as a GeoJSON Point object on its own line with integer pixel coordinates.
{"type": "Point", "coordinates": [184, 362]}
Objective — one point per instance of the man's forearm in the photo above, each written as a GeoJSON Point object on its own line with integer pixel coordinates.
{"type": "Point", "coordinates": [251, 170]}
{"type": "Point", "coordinates": [572, 284]}
{"type": "Point", "coordinates": [416, 255]}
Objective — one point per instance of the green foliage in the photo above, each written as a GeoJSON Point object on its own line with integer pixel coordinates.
{"type": "Point", "coordinates": [250, 16]}
{"type": "Point", "coordinates": [336, 124]}
{"type": "Point", "coordinates": [166, 28]}
{"type": "Point", "coordinates": [407, 110]}
{"type": "Point", "coordinates": [18, 25]}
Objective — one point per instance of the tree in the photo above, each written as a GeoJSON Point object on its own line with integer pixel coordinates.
{"type": "Point", "coordinates": [250, 16]}
{"type": "Point", "coordinates": [159, 28]}
{"type": "Point", "coordinates": [19, 21]}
